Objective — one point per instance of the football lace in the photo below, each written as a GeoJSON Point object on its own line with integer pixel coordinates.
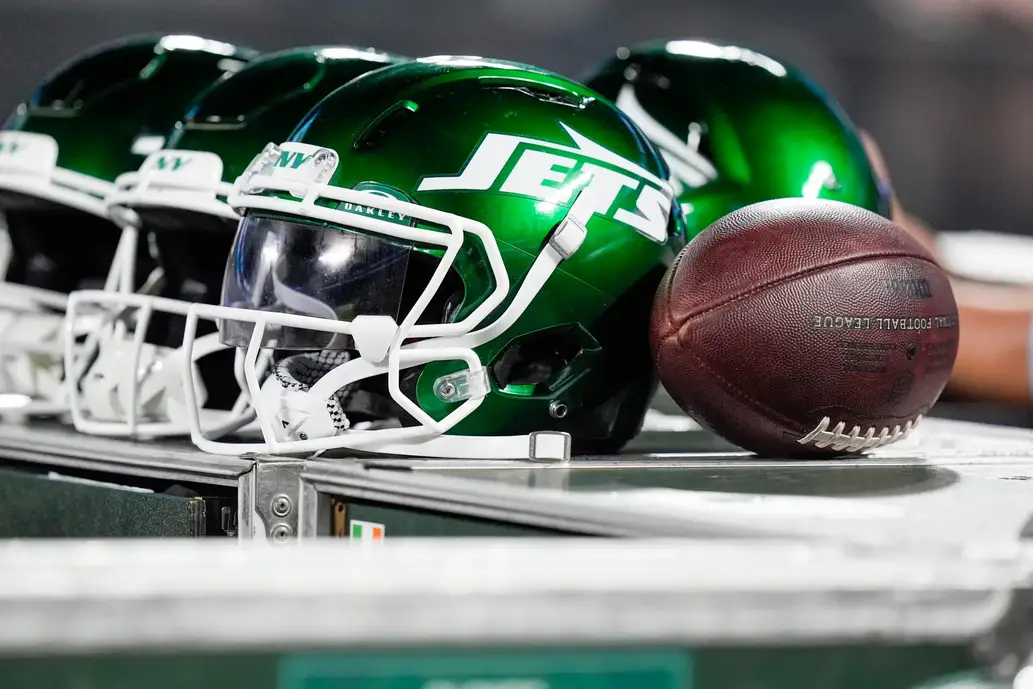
{"type": "Point", "coordinates": [836, 439]}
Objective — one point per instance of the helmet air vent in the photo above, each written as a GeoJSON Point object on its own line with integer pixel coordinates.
{"type": "Point", "coordinates": [380, 127]}
{"type": "Point", "coordinates": [542, 92]}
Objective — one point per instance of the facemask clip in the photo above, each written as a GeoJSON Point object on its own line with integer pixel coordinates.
{"type": "Point", "coordinates": [462, 385]}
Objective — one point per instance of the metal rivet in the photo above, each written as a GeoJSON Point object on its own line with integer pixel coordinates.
{"type": "Point", "coordinates": [557, 409]}
{"type": "Point", "coordinates": [446, 390]}
{"type": "Point", "coordinates": [282, 505]}
{"type": "Point", "coordinates": [281, 532]}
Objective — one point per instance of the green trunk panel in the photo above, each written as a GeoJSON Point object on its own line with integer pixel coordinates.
{"type": "Point", "coordinates": [412, 522]}
{"type": "Point", "coordinates": [771, 667]}
{"type": "Point", "coordinates": [36, 506]}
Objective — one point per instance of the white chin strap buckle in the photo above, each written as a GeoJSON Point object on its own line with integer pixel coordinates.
{"type": "Point", "coordinates": [568, 237]}
{"type": "Point", "coordinates": [107, 385]}
{"type": "Point", "coordinates": [549, 446]}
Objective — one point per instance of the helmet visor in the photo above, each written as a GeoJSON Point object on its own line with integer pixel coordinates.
{"type": "Point", "coordinates": [285, 266]}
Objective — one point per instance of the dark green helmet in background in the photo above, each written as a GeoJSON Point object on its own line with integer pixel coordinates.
{"type": "Point", "coordinates": [180, 190]}
{"type": "Point", "coordinates": [737, 127]}
{"type": "Point", "coordinates": [102, 113]}
{"type": "Point", "coordinates": [178, 198]}
{"type": "Point", "coordinates": [238, 115]}
{"type": "Point", "coordinates": [91, 120]}
{"type": "Point", "coordinates": [467, 247]}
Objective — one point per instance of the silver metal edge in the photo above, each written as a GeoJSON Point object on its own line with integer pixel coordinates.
{"type": "Point", "coordinates": [211, 595]}
{"type": "Point", "coordinates": [544, 509]}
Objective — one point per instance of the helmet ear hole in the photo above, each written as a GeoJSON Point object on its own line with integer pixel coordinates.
{"type": "Point", "coordinates": [539, 360]}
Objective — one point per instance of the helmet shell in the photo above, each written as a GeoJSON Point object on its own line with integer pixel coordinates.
{"type": "Point", "coordinates": [513, 147]}
{"type": "Point", "coordinates": [100, 114]}
{"type": "Point", "coordinates": [738, 127]}
{"type": "Point", "coordinates": [241, 112]}
{"type": "Point", "coordinates": [111, 106]}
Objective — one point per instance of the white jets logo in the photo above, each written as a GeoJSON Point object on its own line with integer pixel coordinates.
{"type": "Point", "coordinates": [689, 168]}
{"type": "Point", "coordinates": [553, 173]}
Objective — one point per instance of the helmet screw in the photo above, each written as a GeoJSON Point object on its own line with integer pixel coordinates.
{"type": "Point", "coordinates": [557, 409]}
{"type": "Point", "coordinates": [281, 532]}
{"type": "Point", "coordinates": [447, 390]}
{"type": "Point", "coordinates": [324, 159]}
{"type": "Point", "coordinates": [281, 505]}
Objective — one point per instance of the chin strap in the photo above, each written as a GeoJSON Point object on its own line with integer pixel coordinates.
{"type": "Point", "coordinates": [30, 355]}
{"type": "Point", "coordinates": [300, 414]}
{"type": "Point", "coordinates": [538, 446]}
{"type": "Point", "coordinates": [126, 387]}
{"type": "Point", "coordinates": [103, 404]}
{"type": "Point", "coordinates": [106, 385]}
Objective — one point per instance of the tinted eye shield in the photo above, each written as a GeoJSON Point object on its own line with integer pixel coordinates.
{"type": "Point", "coordinates": [284, 266]}
{"type": "Point", "coordinates": [293, 180]}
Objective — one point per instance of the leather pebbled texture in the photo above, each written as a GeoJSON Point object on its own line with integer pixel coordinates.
{"type": "Point", "coordinates": [788, 313]}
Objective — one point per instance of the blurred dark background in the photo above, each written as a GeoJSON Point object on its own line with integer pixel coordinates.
{"type": "Point", "coordinates": [945, 85]}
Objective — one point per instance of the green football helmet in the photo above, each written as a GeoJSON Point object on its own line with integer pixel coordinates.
{"type": "Point", "coordinates": [131, 387]}
{"type": "Point", "coordinates": [452, 257]}
{"type": "Point", "coordinates": [737, 127]}
{"type": "Point", "coordinates": [60, 152]}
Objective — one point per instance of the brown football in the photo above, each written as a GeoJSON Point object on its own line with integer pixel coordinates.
{"type": "Point", "coordinates": [800, 327]}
